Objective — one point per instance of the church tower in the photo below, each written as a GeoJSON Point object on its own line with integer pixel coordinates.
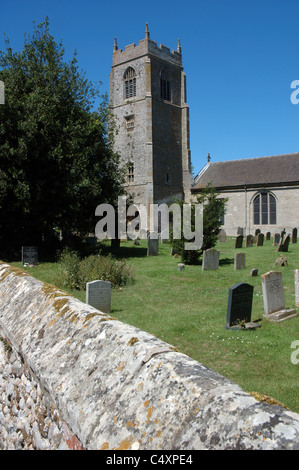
{"type": "Point", "coordinates": [148, 101]}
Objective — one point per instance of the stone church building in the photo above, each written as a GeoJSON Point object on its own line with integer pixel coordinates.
{"type": "Point", "coordinates": [149, 104]}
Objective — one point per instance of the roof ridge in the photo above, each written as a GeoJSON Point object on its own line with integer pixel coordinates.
{"type": "Point", "coordinates": [256, 158]}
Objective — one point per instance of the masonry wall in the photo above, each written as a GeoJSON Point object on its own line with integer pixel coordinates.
{"type": "Point", "coordinates": [239, 211]}
{"type": "Point", "coordinates": [113, 386]}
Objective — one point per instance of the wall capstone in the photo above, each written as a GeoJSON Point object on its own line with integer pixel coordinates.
{"type": "Point", "coordinates": [118, 387]}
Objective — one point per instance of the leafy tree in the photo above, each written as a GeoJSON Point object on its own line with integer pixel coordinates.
{"type": "Point", "coordinates": [56, 164]}
{"type": "Point", "coordinates": [213, 209]}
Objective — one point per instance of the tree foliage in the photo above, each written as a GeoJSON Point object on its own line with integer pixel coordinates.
{"type": "Point", "coordinates": [213, 210]}
{"type": "Point", "coordinates": [56, 164]}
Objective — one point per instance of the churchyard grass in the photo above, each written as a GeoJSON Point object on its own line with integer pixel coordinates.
{"type": "Point", "coordinates": [188, 310]}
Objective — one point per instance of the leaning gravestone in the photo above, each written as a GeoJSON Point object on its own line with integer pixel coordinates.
{"type": "Point", "coordinates": [98, 295]}
{"type": "Point", "coordinates": [239, 241]}
{"type": "Point", "coordinates": [210, 259]}
{"type": "Point", "coordinates": [239, 307]}
{"type": "Point", "coordinates": [29, 255]}
{"type": "Point", "coordinates": [239, 262]}
{"type": "Point", "coordinates": [273, 297]}
{"type": "Point", "coordinates": [284, 245]}
{"type": "Point", "coordinates": [297, 287]}
{"type": "Point", "coordinates": [260, 239]}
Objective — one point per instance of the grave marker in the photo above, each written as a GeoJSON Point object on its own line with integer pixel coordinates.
{"type": "Point", "coordinates": [276, 239]}
{"type": "Point", "coordinates": [249, 241]}
{"type": "Point", "coordinates": [29, 254]}
{"type": "Point", "coordinates": [284, 245]}
{"type": "Point", "coordinates": [98, 295]}
{"type": "Point", "coordinates": [210, 259]}
{"type": "Point", "coordinates": [239, 241]}
{"type": "Point", "coordinates": [260, 239]}
{"type": "Point", "coordinates": [294, 235]}
{"type": "Point", "coordinates": [273, 297]}
{"type": "Point", "coordinates": [239, 262]}
{"type": "Point", "coordinates": [239, 307]}
{"type": "Point", "coordinates": [153, 244]}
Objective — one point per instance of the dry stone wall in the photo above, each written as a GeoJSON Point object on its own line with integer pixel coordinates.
{"type": "Point", "coordinates": [106, 385]}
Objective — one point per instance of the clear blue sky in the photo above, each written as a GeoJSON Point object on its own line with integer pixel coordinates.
{"type": "Point", "coordinates": [240, 57]}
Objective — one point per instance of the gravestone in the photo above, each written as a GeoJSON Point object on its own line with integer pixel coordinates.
{"type": "Point", "coordinates": [239, 241]}
{"type": "Point", "coordinates": [284, 245]}
{"type": "Point", "coordinates": [239, 307]}
{"type": "Point", "coordinates": [273, 297]}
{"type": "Point", "coordinates": [29, 255]}
{"type": "Point", "coordinates": [181, 266]}
{"type": "Point", "coordinates": [210, 259]}
{"type": "Point", "coordinates": [257, 231]}
{"type": "Point", "coordinates": [222, 236]}
{"type": "Point", "coordinates": [297, 287]}
{"type": "Point", "coordinates": [240, 231]}
{"type": "Point", "coordinates": [276, 239]}
{"type": "Point", "coordinates": [153, 244]}
{"type": "Point", "coordinates": [294, 235]}
{"type": "Point", "coordinates": [249, 241]}
{"type": "Point", "coordinates": [268, 235]}
{"type": "Point", "coordinates": [98, 295]}
{"type": "Point", "coordinates": [239, 262]}
{"type": "Point", "coordinates": [254, 272]}
{"type": "Point", "coordinates": [260, 239]}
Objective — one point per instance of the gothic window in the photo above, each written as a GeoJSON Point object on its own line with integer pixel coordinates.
{"type": "Point", "coordinates": [165, 85]}
{"type": "Point", "coordinates": [130, 83]}
{"type": "Point", "coordinates": [264, 209]}
{"type": "Point", "coordinates": [131, 172]}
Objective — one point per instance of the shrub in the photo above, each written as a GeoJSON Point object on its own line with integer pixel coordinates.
{"type": "Point", "coordinates": [74, 272]}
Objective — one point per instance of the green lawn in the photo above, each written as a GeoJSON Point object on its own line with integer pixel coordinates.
{"type": "Point", "coordinates": [188, 310]}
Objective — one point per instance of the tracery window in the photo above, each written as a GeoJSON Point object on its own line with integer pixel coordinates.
{"type": "Point", "coordinates": [264, 209]}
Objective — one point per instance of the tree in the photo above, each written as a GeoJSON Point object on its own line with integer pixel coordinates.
{"type": "Point", "coordinates": [213, 210]}
{"type": "Point", "coordinates": [56, 164]}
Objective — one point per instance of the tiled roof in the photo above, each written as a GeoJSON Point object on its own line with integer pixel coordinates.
{"type": "Point", "coordinates": [250, 172]}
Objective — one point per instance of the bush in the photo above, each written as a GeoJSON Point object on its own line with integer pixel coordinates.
{"type": "Point", "coordinates": [74, 272]}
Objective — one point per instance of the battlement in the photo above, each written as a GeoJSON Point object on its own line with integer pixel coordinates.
{"type": "Point", "coordinates": [146, 46]}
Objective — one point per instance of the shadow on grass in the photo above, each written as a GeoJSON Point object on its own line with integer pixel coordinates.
{"type": "Point", "coordinates": [226, 261]}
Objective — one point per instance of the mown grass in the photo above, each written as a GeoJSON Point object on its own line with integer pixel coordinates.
{"type": "Point", "coordinates": [188, 310]}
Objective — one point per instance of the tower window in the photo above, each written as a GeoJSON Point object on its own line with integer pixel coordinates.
{"type": "Point", "coordinates": [131, 172]}
{"type": "Point", "coordinates": [130, 83]}
{"type": "Point", "coordinates": [264, 209]}
{"type": "Point", "coordinates": [165, 85]}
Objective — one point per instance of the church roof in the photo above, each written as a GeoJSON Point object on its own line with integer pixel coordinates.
{"type": "Point", "coordinates": [276, 170]}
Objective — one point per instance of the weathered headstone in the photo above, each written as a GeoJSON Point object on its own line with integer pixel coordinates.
{"type": "Point", "coordinates": [181, 266]}
{"type": "Point", "coordinates": [257, 231]}
{"type": "Point", "coordinates": [273, 297]}
{"type": "Point", "coordinates": [222, 236]}
{"type": "Point", "coordinates": [249, 241]}
{"type": "Point", "coordinates": [210, 259]}
{"type": "Point", "coordinates": [276, 239]}
{"type": "Point", "coordinates": [98, 295]}
{"type": "Point", "coordinates": [260, 239]}
{"type": "Point", "coordinates": [284, 245]}
{"type": "Point", "coordinates": [294, 235]}
{"type": "Point", "coordinates": [239, 262]}
{"type": "Point", "coordinates": [239, 306]}
{"type": "Point", "coordinates": [240, 231]}
{"type": "Point", "coordinates": [254, 272]}
{"type": "Point", "coordinates": [268, 236]}
{"type": "Point", "coordinates": [153, 244]}
{"type": "Point", "coordinates": [239, 241]}
{"type": "Point", "coordinates": [297, 287]}
{"type": "Point", "coordinates": [29, 255]}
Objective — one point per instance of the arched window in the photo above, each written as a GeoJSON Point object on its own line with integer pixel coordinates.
{"type": "Point", "coordinates": [165, 85]}
{"type": "Point", "coordinates": [264, 209]}
{"type": "Point", "coordinates": [130, 83]}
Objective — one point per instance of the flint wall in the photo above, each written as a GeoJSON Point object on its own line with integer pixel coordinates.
{"type": "Point", "coordinates": [114, 386]}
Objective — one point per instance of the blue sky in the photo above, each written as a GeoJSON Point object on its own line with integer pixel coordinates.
{"type": "Point", "coordinates": [240, 58]}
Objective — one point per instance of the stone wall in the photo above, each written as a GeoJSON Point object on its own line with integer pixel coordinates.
{"type": "Point", "coordinates": [106, 385]}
